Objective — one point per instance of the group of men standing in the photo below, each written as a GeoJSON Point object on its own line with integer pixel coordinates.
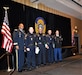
{"type": "Point", "coordinates": [48, 46]}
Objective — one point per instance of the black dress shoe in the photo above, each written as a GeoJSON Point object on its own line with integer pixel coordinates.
{"type": "Point", "coordinates": [60, 61]}
{"type": "Point", "coordinates": [37, 66]}
{"type": "Point", "coordinates": [20, 71]}
{"type": "Point", "coordinates": [33, 68]}
{"type": "Point", "coordinates": [29, 69]}
{"type": "Point", "coordinates": [56, 61]}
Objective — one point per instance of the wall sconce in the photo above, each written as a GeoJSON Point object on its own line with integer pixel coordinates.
{"type": "Point", "coordinates": [75, 30]}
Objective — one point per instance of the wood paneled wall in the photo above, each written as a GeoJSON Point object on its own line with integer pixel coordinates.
{"type": "Point", "coordinates": [74, 21]}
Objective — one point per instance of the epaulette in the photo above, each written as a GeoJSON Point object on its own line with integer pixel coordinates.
{"type": "Point", "coordinates": [37, 34]}
{"type": "Point", "coordinates": [53, 36]}
{"type": "Point", "coordinates": [26, 35]}
{"type": "Point", "coordinates": [34, 35]}
{"type": "Point", "coordinates": [15, 30]}
{"type": "Point", "coordinates": [43, 34]}
{"type": "Point", "coordinates": [60, 37]}
{"type": "Point", "coordinates": [47, 35]}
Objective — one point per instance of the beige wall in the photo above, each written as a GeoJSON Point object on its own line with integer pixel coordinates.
{"type": "Point", "coordinates": [74, 21]}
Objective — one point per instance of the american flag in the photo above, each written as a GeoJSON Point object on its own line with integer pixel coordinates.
{"type": "Point", "coordinates": [7, 42]}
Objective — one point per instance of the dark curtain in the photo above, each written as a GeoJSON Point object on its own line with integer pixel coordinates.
{"type": "Point", "coordinates": [53, 22]}
{"type": "Point", "coordinates": [20, 13]}
{"type": "Point", "coordinates": [63, 25]}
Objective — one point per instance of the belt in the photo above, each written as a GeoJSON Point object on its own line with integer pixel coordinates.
{"type": "Point", "coordinates": [49, 43]}
{"type": "Point", "coordinates": [30, 44]}
{"type": "Point", "coordinates": [39, 42]}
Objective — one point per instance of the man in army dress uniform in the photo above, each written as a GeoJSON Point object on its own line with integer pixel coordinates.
{"type": "Point", "coordinates": [50, 51]}
{"type": "Point", "coordinates": [41, 43]}
{"type": "Point", "coordinates": [30, 47]}
{"type": "Point", "coordinates": [18, 38]}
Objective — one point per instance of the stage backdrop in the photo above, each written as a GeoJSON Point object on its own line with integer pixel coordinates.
{"type": "Point", "coordinates": [27, 15]}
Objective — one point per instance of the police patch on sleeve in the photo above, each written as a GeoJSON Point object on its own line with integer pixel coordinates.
{"type": "Point", "coordinates": [40, 23]}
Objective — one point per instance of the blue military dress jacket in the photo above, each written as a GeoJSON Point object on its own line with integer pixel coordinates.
{"type": "Point", "coordinates": [19, 38]}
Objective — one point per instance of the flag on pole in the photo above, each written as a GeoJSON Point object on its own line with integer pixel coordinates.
{"type": "Point", "coordinates": [7, 42]}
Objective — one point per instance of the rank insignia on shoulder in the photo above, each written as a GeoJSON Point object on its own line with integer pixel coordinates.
{"type": "Point", "coordinates": [26, 36]}
{"type": "Point", "coordinates": [34, 35]}
{"type": "Point", "coordinates": [43, 34]}
{"type": "Point", "coordinates": [37, 34]}
{"type": "Point", "coordinates": [46, 35]}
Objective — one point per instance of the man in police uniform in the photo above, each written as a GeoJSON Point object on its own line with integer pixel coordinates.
{"type": "Point", "coordinates": [49, 40]}
{"type": "Point", "coordinates": [58, 43]}
{"type": "Point", "coordinates": [30, 47]}
{"type": "Point", "coordinates": [41, 43]}
{"type": "Point", "coordinates": [18, 38]}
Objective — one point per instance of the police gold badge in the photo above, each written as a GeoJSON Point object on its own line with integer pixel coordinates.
{"type": "Point", "coordinates": [40, 23]}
